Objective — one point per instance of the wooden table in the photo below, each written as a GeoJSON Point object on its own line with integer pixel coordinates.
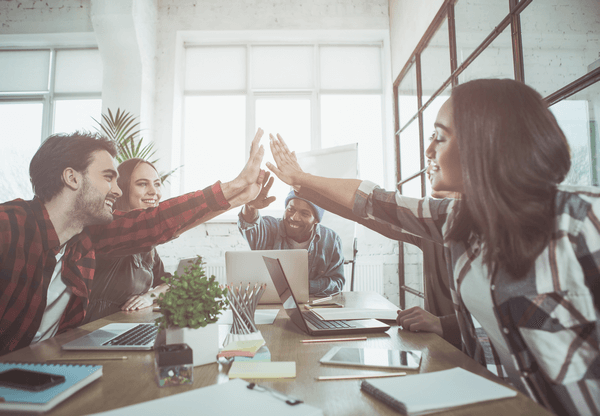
{"type": "Point", "coordinates": [132, 381]}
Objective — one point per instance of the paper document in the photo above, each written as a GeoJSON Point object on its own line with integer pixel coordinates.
{"type": "Point", "coordinates": [261, 317]}
{"type": "Point", "coordinates": [230, 398]}
{"type": "Point", "coordinates": [333, 314]}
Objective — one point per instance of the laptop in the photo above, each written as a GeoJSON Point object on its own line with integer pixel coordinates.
{"type": "Point", "coordinates": [248, 267]}
{"type": "Point", "coordinates": [117, 337]}
{"type": "Point", "coordinates": [306, 320]}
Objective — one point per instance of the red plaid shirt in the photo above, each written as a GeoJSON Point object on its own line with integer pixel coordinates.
{"type": "Point", "coordinates": [29, 244]}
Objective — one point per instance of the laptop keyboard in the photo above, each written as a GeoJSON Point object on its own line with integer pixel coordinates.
{"type": "Point", "coordinates": [141, 334]}
{"type": "Point", "coordinates": [310, 317]}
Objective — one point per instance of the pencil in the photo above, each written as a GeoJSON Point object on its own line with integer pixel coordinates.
{"type": "Point", "coordinates": [309, 341]}
{"type": "Point", "coordinates": [357, 376]}
{"type": "Point", "coordinates": [123, 357]}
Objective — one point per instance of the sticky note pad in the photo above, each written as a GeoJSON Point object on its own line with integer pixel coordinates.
{"type": "Point", "coordinates": [270, 369]}
{"type": "Point", "coordinates": [263, 354]}
{"type": "Point", "coordinates": [241, 348]}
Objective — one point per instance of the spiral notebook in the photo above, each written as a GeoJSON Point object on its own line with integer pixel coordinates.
{"type": "Point", "coordinates": [76, 377]}
{"type": "Point", "coordinates": [433, 392]}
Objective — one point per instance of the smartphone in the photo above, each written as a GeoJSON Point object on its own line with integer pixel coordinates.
{"type": "Point", "coordinates": [373, 357]}
{"type": "Point", "coordinates": [29, 380]}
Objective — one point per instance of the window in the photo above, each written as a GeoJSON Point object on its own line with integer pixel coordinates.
{"type": "Point", "coordinates": [315, 95]}
{"type": "Point", "coordinates": [43, 91]}
{"type": "Point", "coordinates": [551, 46]}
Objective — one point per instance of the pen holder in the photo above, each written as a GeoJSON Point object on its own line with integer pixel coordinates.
{"type": "Point", "coordinates": [243, 304]}
{"type": "Point", "coordinates": [174, 365]}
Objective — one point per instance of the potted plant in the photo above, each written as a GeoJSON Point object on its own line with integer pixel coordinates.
{"type": "Point", "coordinates": [190, 310]}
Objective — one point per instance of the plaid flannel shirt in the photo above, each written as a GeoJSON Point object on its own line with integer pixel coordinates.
{"type": "Point", "coordinates": [29, 244]}
{"type": "Point", "coordinates": [550, 319]}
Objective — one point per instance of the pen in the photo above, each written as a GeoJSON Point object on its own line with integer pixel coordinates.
{"type": "Point", "coordinates": [88, 358]}
{"type": "Point", "coordinates": [309, 341]}
{"type": "Point", "coordinates": [357, 376]}
{"type": "Point", "coordinates": [324, 299]}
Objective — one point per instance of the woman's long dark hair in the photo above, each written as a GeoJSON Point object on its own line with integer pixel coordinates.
{"type": "Point", "coordinates": [513, 156]}
{"type": "Point", "coordinates": [126, 169]}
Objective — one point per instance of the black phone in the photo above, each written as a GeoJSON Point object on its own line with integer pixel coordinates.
{"type": "Point", "coordinates": [17, 378]}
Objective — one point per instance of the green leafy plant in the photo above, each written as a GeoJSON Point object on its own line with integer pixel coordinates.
{"type": "Point", "coordinates": [122, 127]}
{"type": "Point", "coordinates": [193, 300]}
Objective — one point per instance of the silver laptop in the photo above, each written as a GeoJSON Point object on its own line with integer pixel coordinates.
{"type": "Point", "coordinates": [248, 267]}
{"type": "Point", "coordinates": [117, 337]}
{"type": "Point", "coordinates": [307, 321]}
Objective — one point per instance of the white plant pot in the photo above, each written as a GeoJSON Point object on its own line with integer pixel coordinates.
{"type": "Point", "coordinates": [204, 342]}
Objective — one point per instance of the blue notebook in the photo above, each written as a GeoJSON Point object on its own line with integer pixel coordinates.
{"type": "Point", "coordinates": [76, 377]}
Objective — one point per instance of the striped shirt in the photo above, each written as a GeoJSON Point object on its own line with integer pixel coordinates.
{"type": "Point", "coordinates": [550, 320]}
{"type": "Point", "coordinates": [29, 244]}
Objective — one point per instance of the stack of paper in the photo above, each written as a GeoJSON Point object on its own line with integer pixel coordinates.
{"type": "Point", "coordinates": [334, 314]}
{"type": "Point", "coordinates": [432, 392]}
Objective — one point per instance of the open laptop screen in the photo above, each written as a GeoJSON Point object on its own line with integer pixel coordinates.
{"type": "Point", "coordinates": [285, 292]}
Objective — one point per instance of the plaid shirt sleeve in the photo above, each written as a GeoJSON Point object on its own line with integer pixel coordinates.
{"type": "Point", "coordinates": [139, 230]}
{"type": "Point", "coordinates": [422, 217]}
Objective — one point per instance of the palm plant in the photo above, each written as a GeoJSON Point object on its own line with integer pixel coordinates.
{"type": "Point", "coordinates": [122, 127]}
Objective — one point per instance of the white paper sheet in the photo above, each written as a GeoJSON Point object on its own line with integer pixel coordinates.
{"type": "Point", "coordinates": [331, 314]}
{"type": "Point", "coordinates": [261, 317]}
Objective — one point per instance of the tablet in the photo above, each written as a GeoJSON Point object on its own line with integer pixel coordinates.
{"type": "Point", "coordinates": [372, 357]}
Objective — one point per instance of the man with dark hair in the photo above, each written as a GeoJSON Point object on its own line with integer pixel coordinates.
{"type": "Point", "coordinates": [48, 245]}
{"type": "Point", "coordinates": [298, 229]}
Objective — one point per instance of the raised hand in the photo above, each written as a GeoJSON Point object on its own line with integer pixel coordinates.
{"type": "Point", "coordinates": [249, 174]}
{"type": "Point", "coordinates": [249, 181]}
{"type": "Point", "coordinates": [263, 199]}
{"type": "Point", "coordinates": [287, 169]}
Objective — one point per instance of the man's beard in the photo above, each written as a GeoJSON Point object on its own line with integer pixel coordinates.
{"type": "Point", "coordinates": [90, 206]}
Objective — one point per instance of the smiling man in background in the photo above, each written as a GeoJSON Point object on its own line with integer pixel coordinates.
{"type": "Point", "coordinates": [298, 229]}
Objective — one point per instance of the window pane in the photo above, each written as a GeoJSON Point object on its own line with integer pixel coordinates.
{"type": "Point", "coordinates": [24, 70]}
{"type": "Point", "coordinates": [407, 96]}
{"type": "Point", "coordinates": [291, 119]}
{"type": "Point", "coordinates": [20, 137]}
{"type": "Point", "coordinates": [71, 115]}
{"type": "Point", "coordinates": [78, 71]}
{"type": "Point", "coordinates": [410, 160]}
{"type": "Point", "coordinates": [215, 68]}
{"type": "Point", "coordinates": [435, 61]}
{"type": "Point", "coordinates": [560, 42]}
{"type": "Point", "coordinates": [349, 119]}
{"type": "Point", "coordinates": [429, 116]}
{"type": "Point", "coordinates": [578, 118]}
{"type": "Point", "coordinates": [350, 67]}
{"type": "Point", "coordinates": [496, 61]}
{"type": "Point", "coordinates": [289, 67]}
{"type": "Point", "coordinates": [475, 20]}
{"type": "Point", "coordinates": [214, 143]}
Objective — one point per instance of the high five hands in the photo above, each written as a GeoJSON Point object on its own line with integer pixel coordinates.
{"type": "Point", "coordinates": [287, 170]}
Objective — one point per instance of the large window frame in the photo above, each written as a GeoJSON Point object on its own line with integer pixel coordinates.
{"type": "Point", "coordinates": [446, 15]}
{"type": "Point", "coordinates": [313, 94]}
{"type": "Point", "coordinates": [50, 96]}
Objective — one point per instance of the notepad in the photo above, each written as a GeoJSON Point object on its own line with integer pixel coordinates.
{"type": "Point", "coordinates": [76, 377]}
{"type": "Point", "coordinates": [433, 392]}
{"type": "Point", "coordinates": [272, 369]}
{"type": "Point", "coordinates": [230, 398]}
